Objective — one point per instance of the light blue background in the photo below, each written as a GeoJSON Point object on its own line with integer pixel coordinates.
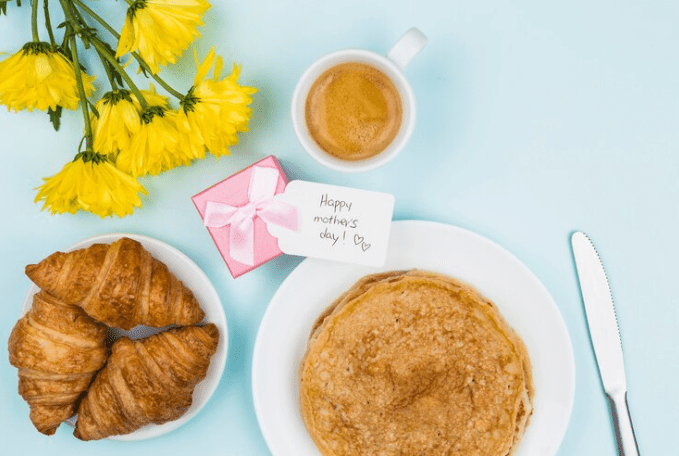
{"type": "Point", "coordinates": [534, 119]}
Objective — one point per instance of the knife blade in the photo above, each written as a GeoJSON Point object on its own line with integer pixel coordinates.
{"type": "Point", "coordinates": [605, 336]}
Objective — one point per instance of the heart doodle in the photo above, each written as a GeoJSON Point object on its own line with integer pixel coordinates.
{"type": "Point", "coordinates": [359, 240]}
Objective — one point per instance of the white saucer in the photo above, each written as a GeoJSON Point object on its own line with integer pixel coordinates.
{"type": "Point", "coordinates": [195, 279]}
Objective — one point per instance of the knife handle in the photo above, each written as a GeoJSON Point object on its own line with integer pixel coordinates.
{"type": "Point", "coordinates": [622, 422]}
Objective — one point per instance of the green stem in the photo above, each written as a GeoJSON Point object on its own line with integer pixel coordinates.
{"type": "Point", "coordinates": [48, 23]}
{"type": "Point", "coordinates": [139, 59]}
{"type": "Point", "coordinates": [81, 93]}
{"type": "Point", "coordinates": [111, 79]}
{"type": "Point", "coordinates": [68, 14]}
{"type": "Point", "coordinates": [178, 95]}
{"type": "Point", "coordinates": [34, 21]}
{"type": "Point", "coordinates": [77, 22]}
{"type": "Point", "coordinates": [97, 18]}
{"type": "Point", "coordinates": [76, 13]}
{"type": "Point", "coordinates": [101, 49]}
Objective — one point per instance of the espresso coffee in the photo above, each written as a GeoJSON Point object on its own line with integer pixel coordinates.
{"type": "Point", "coordinates": [353, 111]}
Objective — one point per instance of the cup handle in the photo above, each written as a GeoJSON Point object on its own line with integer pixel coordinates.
{"type": "Point", "coordinates": [405, 49]}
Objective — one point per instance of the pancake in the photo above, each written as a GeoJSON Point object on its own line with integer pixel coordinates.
{"type": "Point", "coordinates": [414, 363]}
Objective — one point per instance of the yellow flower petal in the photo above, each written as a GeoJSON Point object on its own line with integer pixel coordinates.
{"type": "Point", "coordinates": [214, 110]}
{"type": "Point", "coordinates": [90, 183]}
{"type": "Point", "coordinates": [127, 37]}
{"type": "Point", "coordinates": [218, 68]}
{"type": "Point", "coordinates": [38, 77]}
{"type": "Point", "coordinates": [204, 68]}
{"type": "Point", "coordinates": [160, 30]}
{"type": "Point", "coordinates": [152, 98]}
{"type": "Point", "coordinates": [118, 121]}
{"type": "Point", "coordinates": [155, 148]}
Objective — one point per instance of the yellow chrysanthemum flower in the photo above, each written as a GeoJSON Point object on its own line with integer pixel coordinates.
{"type": "Point", "coordinates": [155, 147]}
{"type": "Point", "coordinates": [91, 183]}
{"type": "Point", "coordinates": [118, 121]}
{"type": "Point", "coordinates": [160, 30]}
{"type": "Point", "coordinates": [214, 110]}
{"type": "Point", "coordinates": [39, 77]}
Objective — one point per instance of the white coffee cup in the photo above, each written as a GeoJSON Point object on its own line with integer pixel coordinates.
{"type": "Point", "coordinates": [398, 58]}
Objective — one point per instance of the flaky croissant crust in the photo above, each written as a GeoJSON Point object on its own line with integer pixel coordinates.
{"type": "Point", "coordinates": [120, 285]}
{"type": "Point", "coordinates": [147, 381]}
{"type": "Point", "coordinates": [57, 349]}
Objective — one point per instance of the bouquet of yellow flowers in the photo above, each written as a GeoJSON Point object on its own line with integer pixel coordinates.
{"type": "Point", "coordinates": [129, 132]}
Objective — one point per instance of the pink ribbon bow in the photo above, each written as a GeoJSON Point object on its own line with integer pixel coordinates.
{"type": "Point", "coordinates": [263, 183]}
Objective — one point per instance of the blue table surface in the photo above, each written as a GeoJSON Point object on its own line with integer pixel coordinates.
{"type": "Point", "coordinates": [535, 119]}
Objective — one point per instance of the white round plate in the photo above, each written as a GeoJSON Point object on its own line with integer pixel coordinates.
{"type": "Point", "coordinates": [493, 271]}
{"type": "Point", "coordinates": [195, 279]}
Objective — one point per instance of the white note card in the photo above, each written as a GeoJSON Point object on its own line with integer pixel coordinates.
{"type": "Point", "coordinates": [337, 223]}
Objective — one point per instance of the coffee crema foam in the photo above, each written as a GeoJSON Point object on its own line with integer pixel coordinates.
{"type": "Point", "coordinates": [353, 111]}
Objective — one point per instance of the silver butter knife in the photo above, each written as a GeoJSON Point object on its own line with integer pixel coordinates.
{"type": "Point", "coordinates": [605, 336]}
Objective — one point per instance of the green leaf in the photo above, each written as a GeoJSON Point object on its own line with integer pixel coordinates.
{"type": "Point", "coordinates": [93, 108]}
{"type": "Point", "coordinates": [86, 34]}
{"type": "Point", "coordinates": [143, 70]}
{"type": "Point", "coordinates": [3, 6]}
{"type": "Point", "coordinates": [55, 117]}
{"type": "Point", "coordinates": [118, 78]}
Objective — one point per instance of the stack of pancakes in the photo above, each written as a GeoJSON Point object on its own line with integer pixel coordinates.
{"type": "Point", "coordinates": [416, 363]}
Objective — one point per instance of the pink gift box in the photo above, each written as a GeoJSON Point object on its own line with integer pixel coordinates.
{"type": "Point", "coordinates": [234, 191]}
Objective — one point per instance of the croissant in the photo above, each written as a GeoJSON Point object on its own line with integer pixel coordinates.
{"type": "Point", "coordinates": [147, 381]}
{"type": "Point", "coordinates": [120, 285]}
{"type": "Point", "coordinates": [57, 349]}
